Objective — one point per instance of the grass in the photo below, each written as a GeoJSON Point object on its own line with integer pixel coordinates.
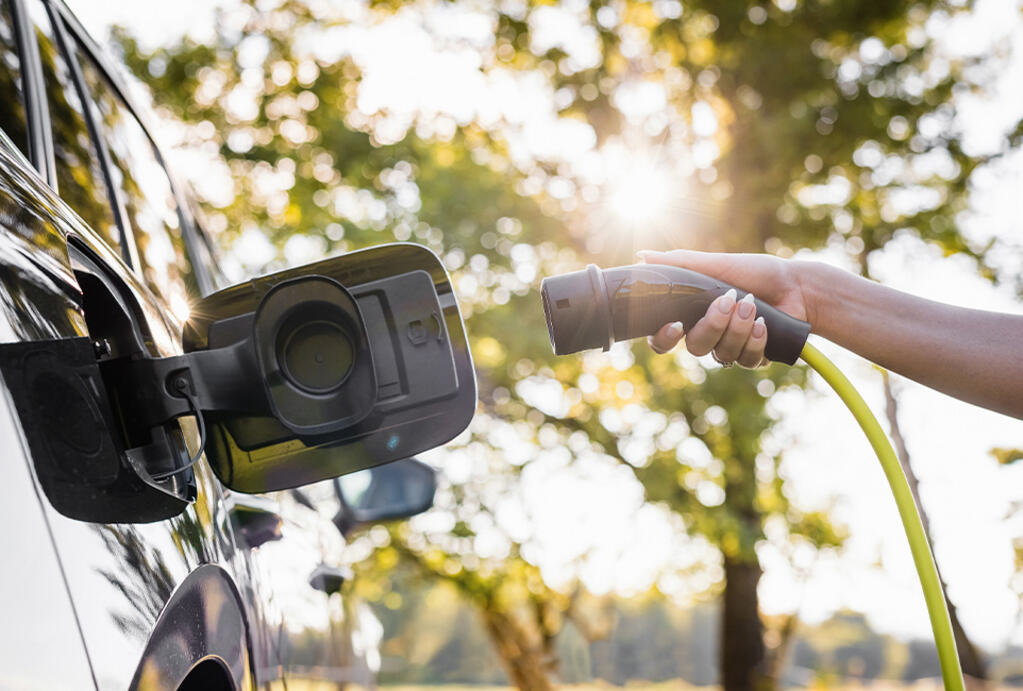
{"type": "Point", "coordinates": [595, 686]}
{"type": "Point", "coordinates": [635, 686]}
{"type": "Point", "coordinates": [677, 685]}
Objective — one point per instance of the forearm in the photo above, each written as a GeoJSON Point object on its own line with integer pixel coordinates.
{"type": "Point", "coordinates": [974, 355]}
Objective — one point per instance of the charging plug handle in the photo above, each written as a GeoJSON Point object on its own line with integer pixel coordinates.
{"type": "Point", "coordinates": [594, 308]}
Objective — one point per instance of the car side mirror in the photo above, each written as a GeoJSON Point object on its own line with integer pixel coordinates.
{"type": "Point", "coordinates": [317, 371]}
{"type": "Point", "coordinates": [384, 493]}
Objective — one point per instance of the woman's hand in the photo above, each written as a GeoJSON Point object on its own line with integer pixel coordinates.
{"type": "Point", "coordinates": [730, 329]}
{"type": "Point", "coordinates": [971, 354]}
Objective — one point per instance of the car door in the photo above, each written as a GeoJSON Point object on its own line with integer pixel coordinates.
{"type": "Point", "coordinates": [140, 590]}
{"type": "Point", "coordinates": [325, 635]}
{"type": "Point", "coordinates": [38, 614]}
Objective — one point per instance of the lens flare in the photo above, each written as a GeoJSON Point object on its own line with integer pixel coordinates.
{"type": "Point", "coordinates": [640, 193]}
{"type": "Point", "coordinates": [640, 188]}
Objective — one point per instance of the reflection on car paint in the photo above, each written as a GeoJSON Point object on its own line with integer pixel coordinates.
{"type": "Point", "coordinates": [119, 576]}
{"type": "Point", "coordinates": [32, 590]}
{"type": "Point", "coordinates": [100, 592]}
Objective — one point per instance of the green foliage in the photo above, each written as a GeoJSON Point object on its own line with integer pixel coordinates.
{"type": "Point", "coordinates": [835, 124]}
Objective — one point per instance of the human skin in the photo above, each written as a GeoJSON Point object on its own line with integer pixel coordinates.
{"type": "Point", "coordinates": [974, 355]}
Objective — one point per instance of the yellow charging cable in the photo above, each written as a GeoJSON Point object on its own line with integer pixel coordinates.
{"type": "Point", "coordinates": [937, 609]}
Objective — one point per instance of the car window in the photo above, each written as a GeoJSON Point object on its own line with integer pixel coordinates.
{"type": "Point", "coordinates": [79, 176]}
{"type": "Point", "coordinates": [12, 102]}
{"type": "Point", "coordinates": [223, 273]}
{"type": "Point", "coordinates": [146, 193]}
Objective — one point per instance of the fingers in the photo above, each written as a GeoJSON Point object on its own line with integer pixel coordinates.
{"type": "Point", "coordinates": [753, 352]}
{"type": "Point", "coordinates": [734, 338]}
{"type": "Point", "coordinates": [666, 338]}
{"type": "Point", "coordinates": [731, 329]}
{"type": "Point", "coordinates": [710, 263]}
{"type": "Point", "coordinates": [706, 333]}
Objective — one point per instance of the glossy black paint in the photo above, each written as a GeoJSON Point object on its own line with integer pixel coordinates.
{"type": "Point", "coordinates": [203, 620]}
{"type": "Point", "coordinates": [117, 577]}
{"type": "Point", "coordinates": [114, 605]}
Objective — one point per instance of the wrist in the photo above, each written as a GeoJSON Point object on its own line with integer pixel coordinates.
{"type": "Point", "coordinates": [811, 279]}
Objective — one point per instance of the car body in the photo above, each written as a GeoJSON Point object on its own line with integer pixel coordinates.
{"type": "Point", "coordinates": [94, 228]}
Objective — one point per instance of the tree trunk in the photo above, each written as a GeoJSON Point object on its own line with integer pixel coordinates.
{"type": "Point", "coordinates": [742, 632]}
{"type": "Point", "coordinates": [523, 661]}
{"type": "Point", "coordinates": [776, 658]}
{"type": "Point", "coordinates": [969, 657]}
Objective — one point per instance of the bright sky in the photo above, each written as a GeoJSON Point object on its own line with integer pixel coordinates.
{"type": "Point", "coordinates": [830, 464]}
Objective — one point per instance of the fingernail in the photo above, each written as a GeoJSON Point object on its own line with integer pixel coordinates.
{"type": "Point", "coordinates": [727, 301]}
{"type": "Point", "coordinates": [746, 306]}
{"type": "Point", "coordinates": [643, 254]}
{"type": "Point", "coordinates": [675, 330]}
{"type": "Point", "coordinates": [759, 328]}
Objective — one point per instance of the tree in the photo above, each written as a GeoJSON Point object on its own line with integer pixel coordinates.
{"type": "Point", "coordinates": [835, 124]}
{"type": "Point", "coordinates": [1009, 456]}
{"type": "Point", "coordinates": [301, 172]}
{"type": "Point", "coordinates": [792, 124]}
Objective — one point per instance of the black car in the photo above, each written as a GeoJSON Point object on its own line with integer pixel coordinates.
{"type": "Point", "coordinates": [147, 409]}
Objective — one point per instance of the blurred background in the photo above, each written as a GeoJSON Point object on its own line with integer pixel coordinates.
{"type": "Point", "coordinates": [624, 517]}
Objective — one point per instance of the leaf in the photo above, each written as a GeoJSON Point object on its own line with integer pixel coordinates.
{"type": "Point", "coordinates": [1005, 456]}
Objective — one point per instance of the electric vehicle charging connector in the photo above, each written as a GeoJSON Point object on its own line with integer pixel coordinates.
{"type": "Point", "coordinates": [594, 308]}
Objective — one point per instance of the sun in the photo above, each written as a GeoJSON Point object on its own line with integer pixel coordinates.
{"type": "Point", "coordinates": [639, 189]}
{"type": "Point", "coordinates": [640, 192]}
